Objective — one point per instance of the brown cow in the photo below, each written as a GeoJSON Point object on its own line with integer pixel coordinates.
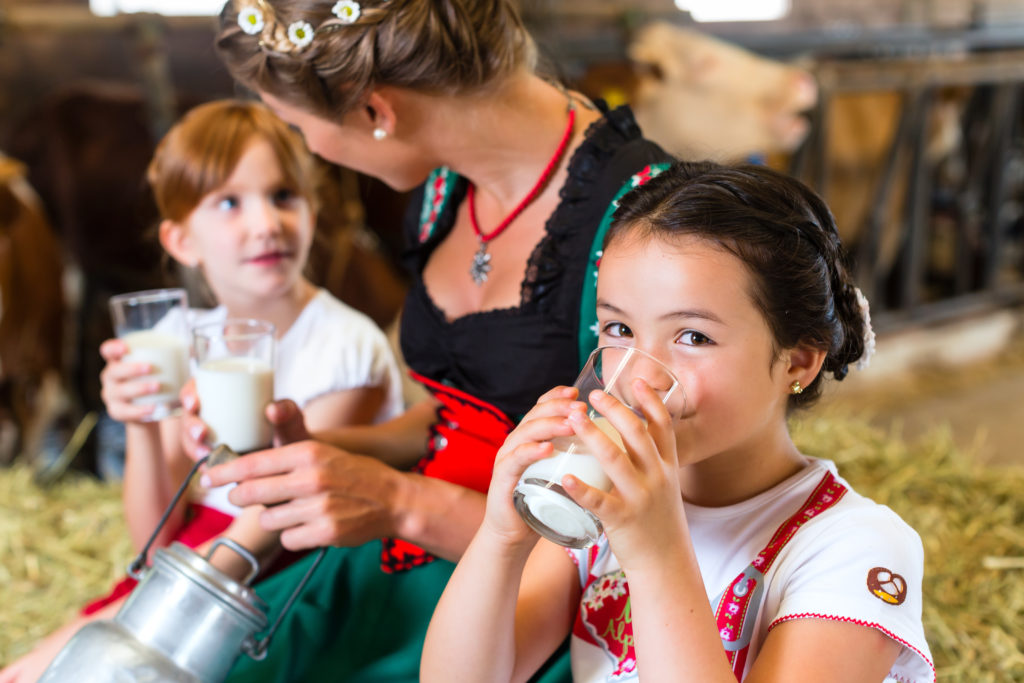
{"type": "Point", "coordinates": [31, 313]}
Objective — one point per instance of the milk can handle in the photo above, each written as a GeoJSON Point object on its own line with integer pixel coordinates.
{"type": "Point", "coordinates": [258, 650]}
{"type": "Point", "coordinates": [219, 454]}
{"type": "Point", "coordinates": [228, 543]}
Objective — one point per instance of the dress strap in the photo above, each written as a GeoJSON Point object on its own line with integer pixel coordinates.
{"type": "Point", "coordinates": [588, 302]}
{"type": "Point", "coordinates": [436, 193]}
{"type": "Point", "coordinates": [739, 603]}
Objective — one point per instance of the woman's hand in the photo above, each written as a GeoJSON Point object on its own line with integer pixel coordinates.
{"type": "Point", "coordinates": [122, 382]}
{"type": "Point", "coordinates": [284, 416]}
{"type": "Point", "coordinates": [526, 444]}
{"type": "Point", "coordinates": [644, 509]}
{"type": "Point", "coordinates": [318, 495]}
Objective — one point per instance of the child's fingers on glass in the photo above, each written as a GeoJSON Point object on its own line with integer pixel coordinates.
{"type": "Point", "coordinates": [542, 428]}
{"type": "Point", "coordinates": [630, 427]}
{"type": "Point", "coordinates": [555, 406]}
{"type": "Point", "coordinates": [611, 455]}
{"type": "Point", "coordinates": [558, 392]}
{"type": "Point", "coordinates": [113, 349]}
{"type": "Point", "coordinates": [515, 461]}
{"type": "Point", "coordinates": [586, 496]}
{"type": "Point", "coordinates": [188, 397]}
{"type": "Point", "coordinates": [659, 421]}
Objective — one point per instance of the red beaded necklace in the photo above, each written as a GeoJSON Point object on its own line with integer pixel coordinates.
{"type": "Point", "coordinates": [481, 259]}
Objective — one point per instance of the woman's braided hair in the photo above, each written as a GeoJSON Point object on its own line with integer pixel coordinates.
{"type": "Point", "coordinates": [435, 46]}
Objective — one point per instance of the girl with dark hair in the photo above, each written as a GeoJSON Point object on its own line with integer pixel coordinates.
{"type": "Point", "coordinates": [727, 554]}
{"type": "Point", "coordinates": [516, 180]}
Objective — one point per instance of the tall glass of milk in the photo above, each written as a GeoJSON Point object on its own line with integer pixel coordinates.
{"type": "Point", "coordinates": [539, 497]}
{"type": "Point", "coordinates": [235, 381]}
{"type": "Point", "coordinates": [154, 325]}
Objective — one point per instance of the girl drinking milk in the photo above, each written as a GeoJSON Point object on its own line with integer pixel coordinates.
{"type": "Point", "coordinates": [237, 191]}
{"type": "Point", "coordinates": [727, 554]}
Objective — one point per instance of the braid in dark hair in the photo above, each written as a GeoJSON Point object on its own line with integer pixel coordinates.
{"type": "Point", "coordinates": [785, 235]}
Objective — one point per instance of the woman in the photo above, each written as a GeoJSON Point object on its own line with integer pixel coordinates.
{"type": "Point", "coordinates": [518, 179]}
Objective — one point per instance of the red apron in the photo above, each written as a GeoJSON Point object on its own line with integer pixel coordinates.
{"type": "Point", "coordinates": [463, 442]}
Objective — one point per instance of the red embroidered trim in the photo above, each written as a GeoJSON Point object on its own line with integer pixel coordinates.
{"type": "Point", "coordinates": [437, 192]}
{"type": "Point", "coordinates": [859, 622]}
{"type": "Point", "coordinates": [462, 396]}
{"type": "Point", "coordinates": [740, 599]}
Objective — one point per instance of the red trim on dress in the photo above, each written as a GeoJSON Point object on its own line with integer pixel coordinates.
{"type": "Point", "coordinates": [859, 622]}
{"type": "Point", "coordinates": [464, 440]}
{"type": "Point", "coordinates": [203, 523]}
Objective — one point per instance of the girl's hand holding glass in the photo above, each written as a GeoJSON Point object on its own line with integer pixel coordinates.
{"type": "Point", "coordinates": [529, 442]}
{"type": "Point", "coordinates": [153, 335]}
{"type": "Point", "coordinates": [539, 496]}
{"type": "Point", "coordinates": [124, 382]}
{"type": "Point", "coordinates": [643, 510]}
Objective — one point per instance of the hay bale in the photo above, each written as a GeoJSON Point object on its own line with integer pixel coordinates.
{"type": "Point", "coordinates": [971, 522]}
{"type": "Point", "coordinates": [59, 547]}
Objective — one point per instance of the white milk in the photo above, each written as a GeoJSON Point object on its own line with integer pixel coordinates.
{"type": "Point", "coordinates": [168, 354]}
{"type": "Point", "coordinates": [571, 457]}
{"type": "Point", "coordinates": [233, 394]}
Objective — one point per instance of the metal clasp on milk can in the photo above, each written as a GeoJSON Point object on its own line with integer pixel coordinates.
{"type": "Point", "coordinates": [186, 621]}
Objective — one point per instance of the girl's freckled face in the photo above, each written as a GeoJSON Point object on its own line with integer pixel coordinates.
{"type": "Point", "coordinates": [687, 301]}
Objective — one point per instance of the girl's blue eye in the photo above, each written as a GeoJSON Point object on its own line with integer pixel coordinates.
{"type": "Point", "coordinates": [695, 338]}
{"type": "Point", "coordinates": [227, 203]}
{"type": "Point", "coordinates": [616, 330]}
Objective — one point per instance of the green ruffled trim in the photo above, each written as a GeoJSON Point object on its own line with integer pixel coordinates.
{"type": "Point", "coordinates": [588, 302]}
{"type": "Point", "coordinates": [437, 191]}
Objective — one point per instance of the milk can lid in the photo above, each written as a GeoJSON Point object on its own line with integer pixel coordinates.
{"type": "Point", "coordinates": [234, 594]}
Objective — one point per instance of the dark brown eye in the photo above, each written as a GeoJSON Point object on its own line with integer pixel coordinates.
{"type": "Point", "coordinates": [617, 330]}
{"type": "Point", "coordinates": [695, 338]}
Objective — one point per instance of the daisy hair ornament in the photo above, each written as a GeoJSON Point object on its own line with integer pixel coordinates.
{"type": "Point", "coordinates": [250, 20]}
{"type": "Point", "coordinates": [300, 34]}
{"type": "Point", "coordinates": [869, 333]}
{"type": "Point", "coordinates": [347, 11]}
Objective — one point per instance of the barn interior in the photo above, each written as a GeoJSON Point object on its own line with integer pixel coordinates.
{"type": "Point", "coordinates": [906, 116]}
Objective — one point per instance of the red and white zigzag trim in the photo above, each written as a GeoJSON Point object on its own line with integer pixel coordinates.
{"type": "Point", "coordinates": [859, 622]}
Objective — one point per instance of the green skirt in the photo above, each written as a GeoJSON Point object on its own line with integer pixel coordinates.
{"type": "Point", "coordinates": [353, 622]}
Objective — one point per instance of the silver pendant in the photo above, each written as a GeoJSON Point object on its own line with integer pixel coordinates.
{"type": "Point", "coordinates": [481, 264]}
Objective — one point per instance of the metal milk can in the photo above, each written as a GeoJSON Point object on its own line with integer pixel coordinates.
{"type": "Point", "coordinates": [185, 622]}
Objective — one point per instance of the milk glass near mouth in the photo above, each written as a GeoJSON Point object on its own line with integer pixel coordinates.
{"type": "Point", "coordinates": [154, 325]}
{"type": "Point", "coordinates": [539, 497]}
{"type": "Point", "coordinates": [235, 381]}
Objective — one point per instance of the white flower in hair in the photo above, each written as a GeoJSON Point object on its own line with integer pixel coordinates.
{"type": "Point", "coordinates": [250, 20]}
{"type": "Point", "coordinates": [869, 333]}
{"type": "Point", "coordinates": [300, 33]}
{"type": "Point", "coordinates": [346, 10]}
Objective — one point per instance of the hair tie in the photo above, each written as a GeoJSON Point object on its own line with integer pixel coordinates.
{"type": "Point", "coordinates": [869, 333]}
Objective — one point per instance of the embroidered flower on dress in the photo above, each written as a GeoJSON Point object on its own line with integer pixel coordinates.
{"type": "Point", "coordinates": [300, 33]}
{"type": "Point", "coordinates": [869, 333]}
{"type": "Point", "coordinates": [609, 586]}
{"type": "Point", "coordinates": [250, 20]}
{"type": "Point", "coordinates": [346, 10]}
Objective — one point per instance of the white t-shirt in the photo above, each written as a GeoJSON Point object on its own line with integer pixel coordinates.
{"type": "Point", "coordinates": [841, 565]}
{"type": "Point", "coordinates": [330, 347]}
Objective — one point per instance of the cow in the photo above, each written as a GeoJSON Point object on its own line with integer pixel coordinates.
{"type": "Point", "coordinates": [703, 98]}
{"type": "Point", "coordinates": [31, 314]}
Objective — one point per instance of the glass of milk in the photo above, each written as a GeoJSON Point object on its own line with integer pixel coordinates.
{"type": "Point", "coordinates": [235, 381]}
{"type": "Point", "coordinates": [539, 497]}
{"type": "Point", "coordinates": [154, 325]}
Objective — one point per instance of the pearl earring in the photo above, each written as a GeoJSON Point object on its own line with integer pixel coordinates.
{"type": "Point", "coordinates": [379, 133]}
{"type": "Point", "coordinates": [795, 388]}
